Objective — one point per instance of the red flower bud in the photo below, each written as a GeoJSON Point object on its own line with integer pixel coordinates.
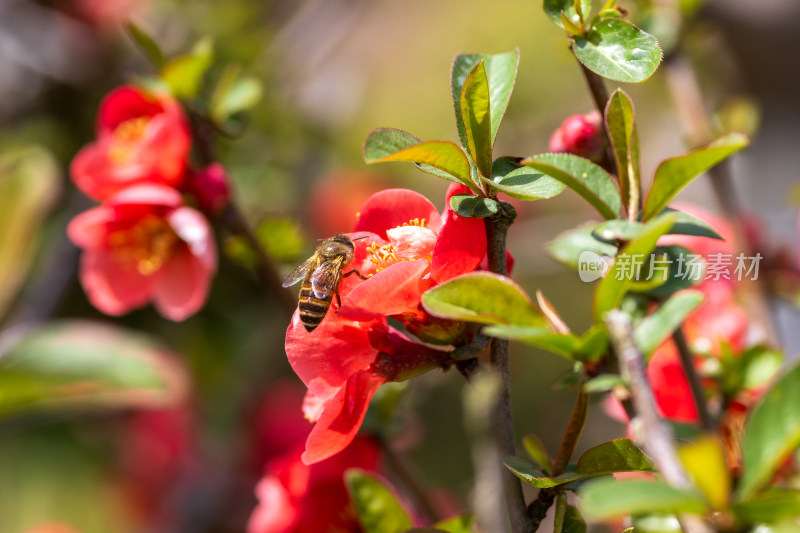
{"type": "Point", "coordinates": [581, 135]}
{"type": "Point", "coordinates": [210, 187]}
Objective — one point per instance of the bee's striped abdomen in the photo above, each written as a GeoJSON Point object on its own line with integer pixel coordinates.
{"type": "Point", "coordinates": [312, 309]}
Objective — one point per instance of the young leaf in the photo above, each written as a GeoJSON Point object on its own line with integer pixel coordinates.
{"type": "Point", "coordinates": [233, 95]}
{"type": "Point", "coordinates": [655, 328]}
{"type": "Point", "coordinates": [377, 508]}
{"type": "Point", "coordinates": [501, 72]}
{"type": "Point", "coordinates": [468, 205]}
{"type": "Point", "coordinates": [527, 471]}
{"type": "Point", "coordinates": [554, 8]}
{"type": "Point", "coordinates": [687, 224]}
{"type": "Point", "coordinates": [620, 455]}
{"type": "Point", "coordinates": [624, 136]}
{"type": "Point", "coordinates": [387, 144]}
{"type": "Point", "coordinates": [607, 498]}
{"type": "Point", "coordinates": [772, 433]}
{"type": "Point", "coordinates": [536, 449]}
{"type": "Point", "coordinates": [615, 284]}
{"type": "Point", "coordinates": [476, 115]}
{"type": "Point", "coordinates": [86, 364]}
{"type": "Point", "coordinates": [568, 247]}
{"type": "Point", "coordinates": [184, 74]}
{"type": "Point", "coordinates": [583, 177]}
{"type": "Point", "coordinates": [146, 44]}
{"type": "Point", "coordinates": [675, 173]}
{"type": "Point", "coordinates": [485, 298]}
{"type": "Point", "coordinates": [523, 183]}
{"type": "Point", "coordinates": [618, 50]}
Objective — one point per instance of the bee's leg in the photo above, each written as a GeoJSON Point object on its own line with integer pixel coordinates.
{"type": "Point", "coordinates": [356, 272]}
{"type": "Point", "coordinates": [338, 300]}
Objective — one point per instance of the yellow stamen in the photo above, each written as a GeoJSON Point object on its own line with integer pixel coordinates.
{"type": "Point", "coordinates": [148, 244]}
{"type": "Point", "coordinates": [125, 137]}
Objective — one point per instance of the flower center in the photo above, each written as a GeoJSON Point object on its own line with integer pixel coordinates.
{"type": "Point", "coordinates": [382, 256]}
{"type": "Point", "coordinates": [415, 222]}
{"type": "Point", "coordinates": [148, 244]}
{"type": "Point", "coordinates": [125, 137]}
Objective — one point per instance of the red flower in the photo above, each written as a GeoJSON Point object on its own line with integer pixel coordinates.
{"type": "Point", "coordinates": [144, 245]}
{"type": "Point", "coordinates": [142, 137]}
{"type": "Point", "coordinates": [581, 135]}
{"type": "Point", "coordinates": [299, 498]}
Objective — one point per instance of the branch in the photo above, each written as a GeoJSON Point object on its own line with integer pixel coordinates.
{"type": "Point", "coordinates": [698, 395]}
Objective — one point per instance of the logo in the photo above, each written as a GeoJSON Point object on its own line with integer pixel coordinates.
{"type": "Point", "coordinates": [592, 266]}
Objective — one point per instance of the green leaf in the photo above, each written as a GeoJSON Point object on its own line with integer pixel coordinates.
{"type": "Point", "coordinates": [618, 50]}
{"type": "Point", "coordinates": [573, 521]}
{"type": "Point", "coordinates": [501, 72]}
{"type": "Point", "coordinates": [388, 144]}
{"type": "Point", "coordinates": [537, 451]}
{"type": "Point", "coordinates": [561, 344]}
{"type": "Point", "coordinates": [471, 206]}
{"type": "Point", "coordinates": [603, 383]}
{"type": "Point", "coordinates": [607, 498]}
{"type": "Point", "coordinates": [568, 247]}
{"type": "Point", "coordinates": [553, 9]}
{"type": "Point", "coordinates": [624, 136]}
{"type": "Point", "coordinates": [485, 298]}
{"type": "Point", "coordinates": [523, 183]}
{"type": "Point", "coordinates": [582, 176]}
{"type": "Point", "coordinates": [476, 115]}
{"type": "Point", "coordinates": [771, 505]}
{"type": "Point", "coordinates": [677, 281]}
{"type": "Point", "coordinates": [615, 284]}
{"type": "Point", "coordinates": [675, 173]}
{"type": "Point", "coordinates": [377, 508]}
{"type": "Point", "coordinates": [620, 455]}
{"type": "Point", "coordinates": [30, 184]}
{"type": "Point", "coordinates": [234, 95]}
{"type": "Point", "coordinates": [146, 44]}
{"type": "Point", "coordinates": [655, 328]}
{"type": "Point", "coordinates": [772, 433]}
{"type": "Point", "coordinates": [459, 524]}
{"type": "Point", "coordinates": [184, 74]}
{"type": "Point", "coordinates": [85, 364]}
{"type": "Point", "coordinates": [527, 471]}
{"type": "Point", "coordinates": [617, 230]}
{"type": "Point", "coordinates": [687, 224]}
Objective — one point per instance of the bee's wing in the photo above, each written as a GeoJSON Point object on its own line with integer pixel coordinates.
{"type": "Point", "coordinates": [325, 278]}
{"type": "Point", "coordinates": [301, 271]}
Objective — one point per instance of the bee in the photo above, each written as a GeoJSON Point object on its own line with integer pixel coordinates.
{"type": "Point", "coordinates": [321, 274]}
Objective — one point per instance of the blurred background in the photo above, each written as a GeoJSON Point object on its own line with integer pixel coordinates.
{"type": "Point", "coordinates": [330, 71]}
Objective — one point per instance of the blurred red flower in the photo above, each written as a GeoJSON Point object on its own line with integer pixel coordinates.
{"type": "Point", "coordinates": [141, 137]}
{"type": "Point", "coordinates": [144, 245]}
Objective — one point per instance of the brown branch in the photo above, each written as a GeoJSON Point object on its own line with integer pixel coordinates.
{"type": "Point", "coordinates": [698, 395]}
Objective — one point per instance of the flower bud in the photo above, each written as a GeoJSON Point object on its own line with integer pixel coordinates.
{"type": "Point", "coordinates": [210, 187]}
{"type": "Point", "coordinates": [581, 135]}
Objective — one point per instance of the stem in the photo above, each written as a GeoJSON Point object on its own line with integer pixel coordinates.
{"type": "Point", "coordinates": [496, 230]}
{"type": "Point", "coordinates": [687, 361]}
{"type": "Point", "coordinates": [597, 87]}
{"type": "Point", "coordinates": [647, 426]}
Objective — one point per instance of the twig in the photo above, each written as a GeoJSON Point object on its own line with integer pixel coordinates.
{"type": "Point", "coordinates": [687, 361]}
{"type": "Point", "coordinates": [647, 426]}
{"type": "Point", "coordinates": [496, 230]}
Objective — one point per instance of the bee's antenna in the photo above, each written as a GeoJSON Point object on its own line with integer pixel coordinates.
{"type": "Point", "coordinates": [359, 238]}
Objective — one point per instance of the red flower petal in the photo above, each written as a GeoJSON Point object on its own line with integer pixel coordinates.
{"type": "Point", "coordinates": [181, 286]}
{"type": "Point", "coordinates": [671, 388]}
{"type": "Point", "coordinates": [460, 247]}
{"type": "Point", "coordinates": [342, 417]}
{"type": "Point", "coordinates": [412, 242]}
{"type": "Point", "coordinates": [89, 229]}
{"type": "Point", "coordinates": [113, 287]}
{"type": "Point", "coordinates": [126, 103]}
{"type": "Point", "coordinates": [394, 207]}
{"type": "Point", "coordinates": [392, 291]}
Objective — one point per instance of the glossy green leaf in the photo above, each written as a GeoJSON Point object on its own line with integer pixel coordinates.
{"type": "Point", "coordinates": [771, 505]}
{"type": "Point", "coordinates": [568, 247]}
{"type": "Point", "coordinates": [582, 176]}
{"type": "Point", "coordinates": [620, 455]}
{"type": "Point", "coordinates": [183, 75]}
{"type": "Point", "coordinates": [85, 364]}
{"type": "Point", "coordinates": [562, 344]}
{"type": "Point", "coordinates": [608, 498]}
{"type": "Point", "coordinates": [527, 472]}
{"type": "Point", "coordinates": [485, 298]}
{"type": "Point", "coordinates": [476, 116]}
{"type": "Point", "coordinates": [389, 144]}
{"type": "Point", "coordinates": [618, 50]}
{"type": "Point", "coordinates": [615, 284]}
{"type": "Point", "coordinates": [469, 205]}
{"type": "Point", "coordinates": [30, 183]}
{"type": "Point", "coordinates": [553, 9]}
{"type": "Point", "coordinates": [377, 508]}
{"type": "Point", "coordinates": [771, 434]}
{"type": "Point", "coordinates": [523, 183]}
{"type": "Point", "coordinates": [538, 452]}
{"type": "Point", "coordinates": [675, 173]}
{"type": "Point", "coordinates": [624, 136]}
{"type": "Point", "coordinates": [687, 224]}
{"type": "Point", "coordinates": [234, 94]}
{"type": "Point", "coordinates": [146, 44]}
{"type": "Point", "coordinates": [459, 524]}
{"type": "Point", "coordinates": [501, 73]}
{"type": "Point", "coordinates": [656, 327]}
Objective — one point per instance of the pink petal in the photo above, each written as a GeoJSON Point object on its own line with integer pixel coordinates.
{"type": "Point", "coordinates": [392, 291]}
{"type": "Point", "coordinates": [275, 512]}
{"type": "Point", "coordinates": [460, 247]}
{"type": "Point", "coordinates": [181, 286]}
{"type": "Point", "coordinates": [89, 229]}
{"type": "Point", "coordinates": [147, 194]}
{"type": "Point", "coordinates": [394, 207]}
{"type": "Point", "coordinates": [113, 287]}
{"type": "Point", "coordinates": [325, 358]}
{"type": "Point", "coordinates": [342, 417]}
{"type": "Point", "coordinates": [193, 229]}
{"type": "Point", "coordinates": [412, 242]}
